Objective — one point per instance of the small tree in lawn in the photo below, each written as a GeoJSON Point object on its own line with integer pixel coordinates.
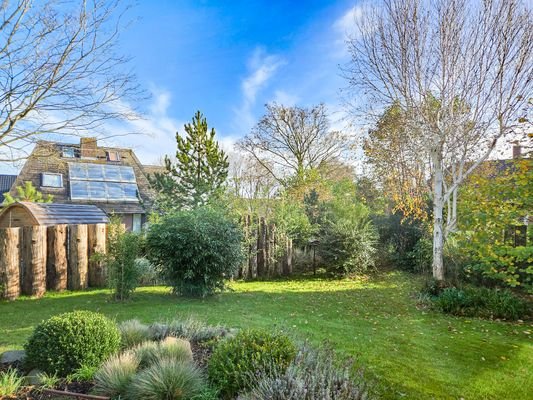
{"type": "Point", "coordinates": [123, 248]}
{"type": "Point", "coordinates": [197, 174]}
{"type": "Point", "coordinates": [28, 192]}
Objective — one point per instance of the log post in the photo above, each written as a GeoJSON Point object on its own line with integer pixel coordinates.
{"type": "Point", "coordinates": [287, 261]}
{"type": "Point", "coordinates": [97, 244]}
{"type": "Point", "coordinates": [261, 248]}
{"type": "Point", "coordinates": [78, 263]}
{"type": "Point", "coordinates": [10, 263]}
{"type": "Point", "coordinates": [34, 260]}
{"type": "Point", "coordinates": [252, 249]}
{"type": "Point", "coordinates": [245, 268]}
{"type": "Point", "coordinates": [56, 263]}
{"type": "Point", "coordinates": [272, 250]}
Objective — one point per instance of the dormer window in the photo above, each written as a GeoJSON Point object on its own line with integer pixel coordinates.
{"type": "Point", "coordinates": [113, 156]}
{"type": "Point", "coordinates": [68, 152]}
{"type": "Point", "coordinates": [51, 180]}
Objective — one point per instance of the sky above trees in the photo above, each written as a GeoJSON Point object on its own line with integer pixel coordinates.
{"type": "Point", "coordinates": [228, 61]}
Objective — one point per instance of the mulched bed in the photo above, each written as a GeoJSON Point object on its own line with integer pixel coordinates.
{"type": "Point", "coordinates": [201, 353]}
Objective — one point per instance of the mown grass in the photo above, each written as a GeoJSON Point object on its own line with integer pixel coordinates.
{"type": "Point", "coordinates": [409, 353]}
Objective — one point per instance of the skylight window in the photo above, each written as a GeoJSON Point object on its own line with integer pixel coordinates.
{"type": "Point", "coordinates": [51, 180]}
{"type": "Point", "coordinates": [102, 182]}
{"type": "Point", "coordinates": [68, 152]}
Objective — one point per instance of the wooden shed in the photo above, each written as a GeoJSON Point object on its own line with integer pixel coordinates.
{"type": "Point", "coordinates": [47, 214]}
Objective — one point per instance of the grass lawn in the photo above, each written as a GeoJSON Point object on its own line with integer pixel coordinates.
{"type": "Point", "coordinates": [413, 354]}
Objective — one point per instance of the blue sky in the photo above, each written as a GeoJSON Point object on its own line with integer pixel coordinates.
{"type": "Point", "coordinates": [228, 59]}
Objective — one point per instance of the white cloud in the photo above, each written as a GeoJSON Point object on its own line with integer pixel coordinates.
{"type": "Point", "coordinates": [151, 137]}
{"type": "Point", "coordinates": [346, 26]}
{"type": "Point", "coordinates": [346, 23]}
{"type": "Point", "coordinates": [262, 67]}
{"type": "Point", "coordinates": [287, 99]}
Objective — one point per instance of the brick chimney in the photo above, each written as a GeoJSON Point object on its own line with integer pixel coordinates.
{"type": "Point", "coordinates": [517, 151]}
{"type": "Point", "coordinates": [88, 147]}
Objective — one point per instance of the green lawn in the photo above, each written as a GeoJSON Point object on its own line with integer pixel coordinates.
{"type": "Point", "coordinates": [413, 354]}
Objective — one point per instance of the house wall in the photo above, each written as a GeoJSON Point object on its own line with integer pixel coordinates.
{"type": "Point", "coordinates": [127, 219]}
{"type": "Point", "coordinates": [47, 157]}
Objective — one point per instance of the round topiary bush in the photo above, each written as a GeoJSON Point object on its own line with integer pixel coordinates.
{"type": "Point", "coordinates": [64, 343]}
{"type": "Point", "coordinates": [195, 250]}
{"type": "Point", "coordinates": [238, 362]}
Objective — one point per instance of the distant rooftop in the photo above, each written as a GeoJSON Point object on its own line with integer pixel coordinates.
{"type": "Point", "coordinates": [6, 181]}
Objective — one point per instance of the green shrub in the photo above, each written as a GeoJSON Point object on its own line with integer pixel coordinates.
{"type": "Point", "coordinates": [10, 382]}
{"type": "Point", "coordinates": [167, 380]}
{"type": "Point", "coordinates": [195, 250]}
{"type": "Point", "coordinates": [236, 362]}
{"type": "Point", "coordinates": [148, 274]}
{"type": "Point", "coordinates": [312, 375]}
{"type": "Point", "coordinates": [123, 248]}
{"type": "Point", "coordinates": [481, 302]}
{"type": "Point", "coordinates": [347, 238]}
{"type": "Point", "coordinates": [64, 343]}
{"type": "Point", "coordinates": [132, 333]}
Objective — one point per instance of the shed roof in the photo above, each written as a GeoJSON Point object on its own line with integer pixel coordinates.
{"type": "Point", "coordinates": [56, 213]}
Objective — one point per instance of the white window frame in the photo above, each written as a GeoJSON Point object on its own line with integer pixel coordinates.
{"type": "Point", "coordinates": [69, 148]}
{"type": "Point", "coordinates": [136, 222]}
{"type": "Point", "coordinates": [51, 174]}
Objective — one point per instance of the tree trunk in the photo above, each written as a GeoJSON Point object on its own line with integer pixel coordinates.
{"type": "Point", "coordinates": [10, 263]}
{"type": "Point", "coordinates": [438, 222]}
{"type": "Point", "coordinates": [97, 245]}
{"type": "Point", "coordinates": [56, 263]}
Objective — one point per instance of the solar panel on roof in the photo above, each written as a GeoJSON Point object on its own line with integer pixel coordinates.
{"type": "Point", "coordinates": [101, 182]}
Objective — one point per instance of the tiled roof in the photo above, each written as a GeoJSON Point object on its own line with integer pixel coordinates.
{"type": "Point", "coordinates": [6, 181]}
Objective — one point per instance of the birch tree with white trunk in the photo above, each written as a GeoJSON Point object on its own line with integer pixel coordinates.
{"type": "Point", "coordinates": [462, 72]}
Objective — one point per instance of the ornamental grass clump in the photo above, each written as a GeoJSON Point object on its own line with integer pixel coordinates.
{"type": "Point", "coordinates": [152, 370]}
{"type": "Point", "coordinates": [237, 362]}
{"type": "Point", "coordinates": [66, 342]}
{"type": "Point", "coordinates": [10, 382]}
{"type": "Point", "coordinates": [116, 374]}
{"type": "Point", "coordinates": [170, 348]}
{"type": "Point", "coordinates": [132, 333]}
{"type": "Point", "coordinates": [167, 379]}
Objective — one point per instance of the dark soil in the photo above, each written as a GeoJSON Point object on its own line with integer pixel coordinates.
{"type": "Point", "coordinates": [201, 353]}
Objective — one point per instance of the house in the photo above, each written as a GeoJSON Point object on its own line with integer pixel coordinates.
{"type": "Point", "coordinates": [113, 179]}
{"type": "Point", "coordinates": [6, 182]}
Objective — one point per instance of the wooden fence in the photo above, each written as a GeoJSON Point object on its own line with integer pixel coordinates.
{"type": "Point", "coordinates": [269, 253]}
{"type": "Point", "coordinates": [36, 258]}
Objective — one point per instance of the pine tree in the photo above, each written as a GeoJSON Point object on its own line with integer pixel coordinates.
{"type": "Point", "coordinates": [27, 192]}
{"type": "Point", "coordinates": [199, 171]}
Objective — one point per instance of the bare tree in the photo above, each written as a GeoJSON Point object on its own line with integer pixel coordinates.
{"type": "Point", "coordinates": [287, 141]}
{"type": "Point", "coordinates": [462, 72]}
{"type": "Point", "coordinates": [252, 187]}
{"type": "Point", "coordinates": [59, 71]}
